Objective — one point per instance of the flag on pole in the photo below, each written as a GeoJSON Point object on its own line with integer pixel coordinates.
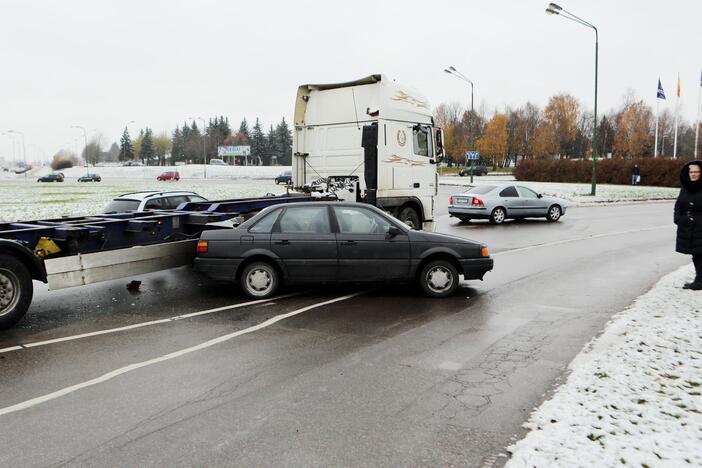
{"type": "Point", "coordinates": [678, 84]}
{"type": "Point", "coordinates": [661, 93]}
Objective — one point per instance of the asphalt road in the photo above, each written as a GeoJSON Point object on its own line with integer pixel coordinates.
{"type": "Point", "coordinates": [352, 376]}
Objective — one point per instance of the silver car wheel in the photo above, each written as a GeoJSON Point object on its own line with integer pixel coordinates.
{"type": "Point", "coordinates": [554, 213]}
{"type": "Point", "coordinates": [498, 215]}
{"type": "Point", "coordinates": [259, 281]}
{"type": "Point", "coordinates": [8, 291]}
{"type": "Point", "coordinates": [439, 279]}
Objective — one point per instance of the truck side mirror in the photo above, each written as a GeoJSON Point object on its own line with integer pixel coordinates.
{"type": "Point", "coordinates": [439, 138]}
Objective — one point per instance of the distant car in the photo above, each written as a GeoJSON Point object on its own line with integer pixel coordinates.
{"type": "Point", "coordinates": [284, 178]}
{"type": "Point", "coordinates": [478, 170]}
{"type": "Point", "coordinates": [89, 178]}
{"type": "Point", "coordinates": [500, 202]}
{"type": "Point", "coordinates": [132, 163]}
{"type": "Point", "coordinates": [169, 175]}
{"type": "Point", "coordinates": [323, 242]}
{"type": "Point", "coordinates": [217, 162]}
{"type": "Point", "coordinates": [143, 201]}
{"type": "Point", "coordinates": [53, 177]}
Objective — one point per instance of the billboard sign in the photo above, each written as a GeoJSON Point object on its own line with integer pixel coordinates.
{"type": "Point", "coordinates": [224, 151]}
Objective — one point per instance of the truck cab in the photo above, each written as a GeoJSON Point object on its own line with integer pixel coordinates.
{"type": "Point", "coordinates": [372, 137]}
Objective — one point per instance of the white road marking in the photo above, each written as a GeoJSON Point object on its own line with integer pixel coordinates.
{"type": "Point", "coordinates": [141, 325]}
{"type": "Point", "coordinates": [592, 236]}
{"type": "Point", "coordinates": [166, 357]}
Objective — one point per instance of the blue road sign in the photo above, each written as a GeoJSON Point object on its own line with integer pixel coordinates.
{"type": "Point", "coordinates": [472, 155]}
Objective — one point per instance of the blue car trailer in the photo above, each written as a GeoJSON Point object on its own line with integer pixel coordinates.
{"type": "Point", "coordinates": [69, 252]}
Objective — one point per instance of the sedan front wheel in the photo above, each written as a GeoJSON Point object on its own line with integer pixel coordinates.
{"type": "Point", "coordinates": [439, 278]}
{"type": "Point", "coordinates": [554, 213]}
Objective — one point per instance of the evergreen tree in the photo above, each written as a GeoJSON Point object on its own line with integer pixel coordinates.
{"type": "Point", "coordinates": [178, 150]}
{"type": "Point", "coordinates": [147, 152]}
{"type": "Point", "coordinates": [244, 129]}
{"type": "Point", "coordinates": [258, 145]}
{"type": "Point", "coordinates": [284, 137]}
{"type": "Point", "coordinates": [126, 149]}
{"type": "Point", "coordinates": [193, 144]}
{"type": "Point", "coordinates": [273, 148]}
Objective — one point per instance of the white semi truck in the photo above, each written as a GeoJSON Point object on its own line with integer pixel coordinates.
{"type": "Point", "coordinates": [374, 137]}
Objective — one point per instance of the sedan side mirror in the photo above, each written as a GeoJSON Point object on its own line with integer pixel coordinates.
{"type": "Point", "coordinates": [394, 231]}
{"type": "Point", "coordinates": [539, 195]}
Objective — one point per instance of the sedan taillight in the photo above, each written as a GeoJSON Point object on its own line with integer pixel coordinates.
{"type": "Point", "coordinates": [451, 200]}
{"type": "Point", "coordinates": [202, 247]}
{"type": "Point", "coordinates": [477, 202]}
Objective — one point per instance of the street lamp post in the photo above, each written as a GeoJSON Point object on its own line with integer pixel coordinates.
{"type": "Point", "coordinates": [204, 156]}
{"type": "Point", "coordinates": [85, 137]}
{"type": "Point", "coordinates": [452, 71]}
{"type": "Point", "coordinates": [24, 150]}
{"type": "Point", "coordinates": [554, 9]}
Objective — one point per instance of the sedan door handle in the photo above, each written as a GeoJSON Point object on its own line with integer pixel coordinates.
{"type": "Point", "coordinates": [283, 242]}
{"type": "Point", "coordinates": [348, 242]}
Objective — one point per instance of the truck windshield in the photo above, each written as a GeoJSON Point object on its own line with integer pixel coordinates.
{"type": "Point", "coordinates": [117, 206]}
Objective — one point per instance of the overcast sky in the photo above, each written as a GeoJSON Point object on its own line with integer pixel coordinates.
{"type": "Point", "coordinates": [101, 64]}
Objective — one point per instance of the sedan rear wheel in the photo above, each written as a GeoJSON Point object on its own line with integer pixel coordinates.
{"type": "Point", "coordinates": [259, 280]}
{"type": "Point", "coordinates": [498, 215]}
{"type": "Point", "coordinates": [439, 278]}
{"type": "Point", "coordinates": [554, 213]}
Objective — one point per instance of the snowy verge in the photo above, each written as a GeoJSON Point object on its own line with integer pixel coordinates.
{"type": "Point", "coordinates": [577, 194]}
{"type": "Point", "coordinates": [633, 395]}
{"type": "Point", "coordinates": [190, 171]}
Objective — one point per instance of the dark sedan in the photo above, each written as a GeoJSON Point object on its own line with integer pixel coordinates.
{"type": "Point", "coordinates": [53, 177]}
{"type": "Point", "coordinates": [318, 242]}
{"type": "Point", "coordinates": [284, 178]}
{"type": "Point", "coordinates": [89, 178]}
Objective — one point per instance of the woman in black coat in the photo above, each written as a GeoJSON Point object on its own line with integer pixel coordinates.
{"type": "Point", "coordinates": [688, 217]}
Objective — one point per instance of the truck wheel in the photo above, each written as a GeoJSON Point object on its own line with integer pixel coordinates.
{"type": "Point", "coordinates": [439, 278]}
{"type": "Point", "coordinates": [409, 216]}
{"type": "Point", "coordinates": [259, 280]}
{"type": "Point", "coordinates": [16, 290]}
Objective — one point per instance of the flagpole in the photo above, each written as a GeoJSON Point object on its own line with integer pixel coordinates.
{"type": "Point", "coordinates": [677, 108]}
{"type": "Point", "coordinates": [655, 144]}
{"type": "Point", "coordinates": [697, 123]}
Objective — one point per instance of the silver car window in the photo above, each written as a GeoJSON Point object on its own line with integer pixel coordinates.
{"type": "Point", "coordinates": [526, 192]}
{"type": "Point", "coordinates": [508, 192]}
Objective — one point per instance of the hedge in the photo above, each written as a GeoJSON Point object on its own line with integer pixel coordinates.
{"type": "Point", "coordinates": [660, 172]}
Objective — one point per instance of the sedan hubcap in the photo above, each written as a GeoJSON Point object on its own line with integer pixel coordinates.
{"type": "Point", "coordinates": [259, 280]}
{"type": "Point", "coordinates": [499, 216]}
{"type": "Point", "coordinates": [439, 279]}
{"type": "Point", "coordinates": [555, 213]}
{"type": "Point", "coordinates": [8, 292]}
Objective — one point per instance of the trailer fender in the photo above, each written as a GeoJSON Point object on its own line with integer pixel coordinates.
{"type": "Point", "coordinates": [34, 265]}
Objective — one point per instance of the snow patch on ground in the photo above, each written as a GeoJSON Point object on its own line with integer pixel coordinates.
{"type": "Point", "coordinates": [577, 194]}
{"type": "Point", "coordinates": [190, 171]}
{"type": "Point", "coordinates": [633, 395]}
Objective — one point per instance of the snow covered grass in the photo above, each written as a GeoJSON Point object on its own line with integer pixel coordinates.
{"type": "Point", "coordinates": [633, 395]}
{"type": "Point", "coordinates": [190, 171]}
{"type": "Point", "coordinates": [26, 201]}
{"type": "Point", "coordinates": [577, 194]}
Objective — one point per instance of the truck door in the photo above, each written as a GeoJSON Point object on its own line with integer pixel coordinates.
{"type": "Point", "coordinates": [423, 162]}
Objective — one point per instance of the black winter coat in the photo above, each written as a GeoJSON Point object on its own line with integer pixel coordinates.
{"type": "Point", "coordinates": [688, 213]}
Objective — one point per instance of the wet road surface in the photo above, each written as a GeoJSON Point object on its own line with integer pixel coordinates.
{"type": "Point", "coordinates": [354, 375]}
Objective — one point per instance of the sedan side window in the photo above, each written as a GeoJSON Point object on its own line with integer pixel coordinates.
{"type": "Point", "coordinates": [360, 221]}
{"type": "Point", "coordinates": [305, 220]}
{"type": "Point", "coordinates": [155, 204]}
{"type": "Point", "coordinates": [526, 193]}
{"type": "Point", "coordinates": [509, 192]}
{"type": "Point", "coordinates": [172, 203]}
{"type": "Point", "coordinates": [266, 223]}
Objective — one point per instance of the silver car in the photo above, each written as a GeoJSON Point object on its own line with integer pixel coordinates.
{"type": "Point", "coordinates": [500, 202]}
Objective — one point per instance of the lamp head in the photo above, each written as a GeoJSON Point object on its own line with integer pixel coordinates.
{"type": "Point", "coordinates": [555, 6]}
{"type": "Point", "coordinates": [452, 69]}
{"type": "Point", "coordinates": [551, 11]}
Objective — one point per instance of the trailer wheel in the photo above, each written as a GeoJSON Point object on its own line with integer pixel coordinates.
{"type": "Point", "coordinates": [259, 280]}
{"type": "Point", "coordinates": [16, 290]}
{"type": "Point", "coordinates": [409, 216]}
